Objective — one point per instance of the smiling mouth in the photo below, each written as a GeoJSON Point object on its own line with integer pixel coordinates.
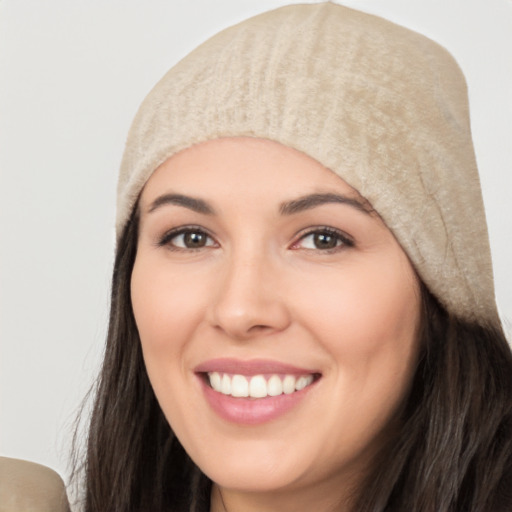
{"type": "Point", "coordinates": [258, 386]}
{"type": "Point", "coordinates": [254, 392]}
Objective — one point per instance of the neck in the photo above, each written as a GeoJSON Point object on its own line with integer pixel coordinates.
{"type": "Point", "coordinates": [318, 499]}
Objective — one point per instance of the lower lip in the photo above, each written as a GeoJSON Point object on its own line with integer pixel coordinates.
{"type": "Point", "coordinates": [252, 411]}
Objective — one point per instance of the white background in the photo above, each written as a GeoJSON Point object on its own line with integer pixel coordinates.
{"type": "Point", "coordinates": [72, 74]}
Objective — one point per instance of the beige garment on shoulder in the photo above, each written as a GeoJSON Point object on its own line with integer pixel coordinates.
{"type": "Point", "coordinates": [29, 487]}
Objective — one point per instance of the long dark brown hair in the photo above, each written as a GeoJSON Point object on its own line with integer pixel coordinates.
{"type": "Point", "coordinates": [452, 451]}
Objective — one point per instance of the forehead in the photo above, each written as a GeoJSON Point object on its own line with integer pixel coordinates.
{"type": "Point", "coordinates": [243, 166]}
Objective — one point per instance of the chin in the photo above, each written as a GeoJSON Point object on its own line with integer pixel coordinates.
{"type": "Point", "coordinates": [255, 466]}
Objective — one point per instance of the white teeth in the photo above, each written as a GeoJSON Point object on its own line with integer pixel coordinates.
{"type": "Point", "coordinates": [226, 385]}
{"type": "Point", "coordinates": [239, 386]}
{"type": "Point", "coordinates": [302, 382]}
{"type": "Point", "coordinates": [257, 386]}
{"type": "Point", "coordinates": [274, 386]}
{"type": "Point", "coordinates": [289, 384]}
{"type": "Point", "coordinates": [216, 381]}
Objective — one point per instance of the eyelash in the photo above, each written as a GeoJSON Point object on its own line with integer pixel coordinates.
{"type": "Point", "coordinates": [166, 239]}
{"type": "Point", "coordinates": [342, 240]}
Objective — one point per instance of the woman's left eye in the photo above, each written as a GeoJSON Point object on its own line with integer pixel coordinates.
{"type": "Point", "coordinates": [323, 239]}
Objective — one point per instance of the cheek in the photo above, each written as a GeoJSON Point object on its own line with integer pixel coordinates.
{"type": "Point", "coordinates": [370, 329]}
{"type": "Point", "coordinates": [167, 309]}
{"type": "Point", "coordinates": [367, 320]}
{"type": "Point", "coordinates": [364, 308]}
{"type": "Point", "coordinates": [166, 305]}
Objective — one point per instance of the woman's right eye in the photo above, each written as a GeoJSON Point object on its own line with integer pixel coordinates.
{"type": "Point", "coordinates": [187, 239]}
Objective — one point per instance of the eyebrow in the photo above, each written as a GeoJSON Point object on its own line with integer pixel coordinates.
{"type": "Point", "coordinates": [192, 203]}
{"type": "Point", "coordinates": [287, 208]}
{"type": "Point", "coordinates": [313, 200]}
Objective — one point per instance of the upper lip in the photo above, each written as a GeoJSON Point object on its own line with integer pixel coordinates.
{"type": "Point", "coordinates": [251, 367]}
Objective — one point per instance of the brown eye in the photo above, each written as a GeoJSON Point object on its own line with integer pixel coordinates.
{"type": "Point", "coordinates": [190, 238]}
{"type": "Point", "coordinates": [324, 239]}
{"type": "Point", "coordinates": [194, 240]}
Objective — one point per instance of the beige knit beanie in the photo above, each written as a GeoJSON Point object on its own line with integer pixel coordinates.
{"type": "Point", "coordinates": [381, 106]}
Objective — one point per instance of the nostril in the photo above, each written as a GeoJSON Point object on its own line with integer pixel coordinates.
{"type": "Point", "coordinates": [259, 327]}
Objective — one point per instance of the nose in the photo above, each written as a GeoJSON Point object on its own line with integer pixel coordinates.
{"type": "Point", "coordinates": [248, 301]}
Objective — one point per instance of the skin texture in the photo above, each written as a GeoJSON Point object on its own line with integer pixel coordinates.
{"type": "Point", "coordinates": [261, 288]}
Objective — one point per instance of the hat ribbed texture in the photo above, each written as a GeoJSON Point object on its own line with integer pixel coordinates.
{"type": "Point", "coordinates": [381, 106]}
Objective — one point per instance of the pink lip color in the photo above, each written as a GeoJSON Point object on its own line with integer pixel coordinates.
{"type": "Point", "coordinates": [250, 368]}
{"type": "Point", "coordinates": [251, 411]}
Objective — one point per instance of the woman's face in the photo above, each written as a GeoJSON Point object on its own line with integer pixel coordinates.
{"type": "Point", "coordinates": [260, 272]}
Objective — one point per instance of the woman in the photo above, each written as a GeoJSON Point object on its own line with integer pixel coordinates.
{"type": "Point", "coordinates": [303, 314]}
